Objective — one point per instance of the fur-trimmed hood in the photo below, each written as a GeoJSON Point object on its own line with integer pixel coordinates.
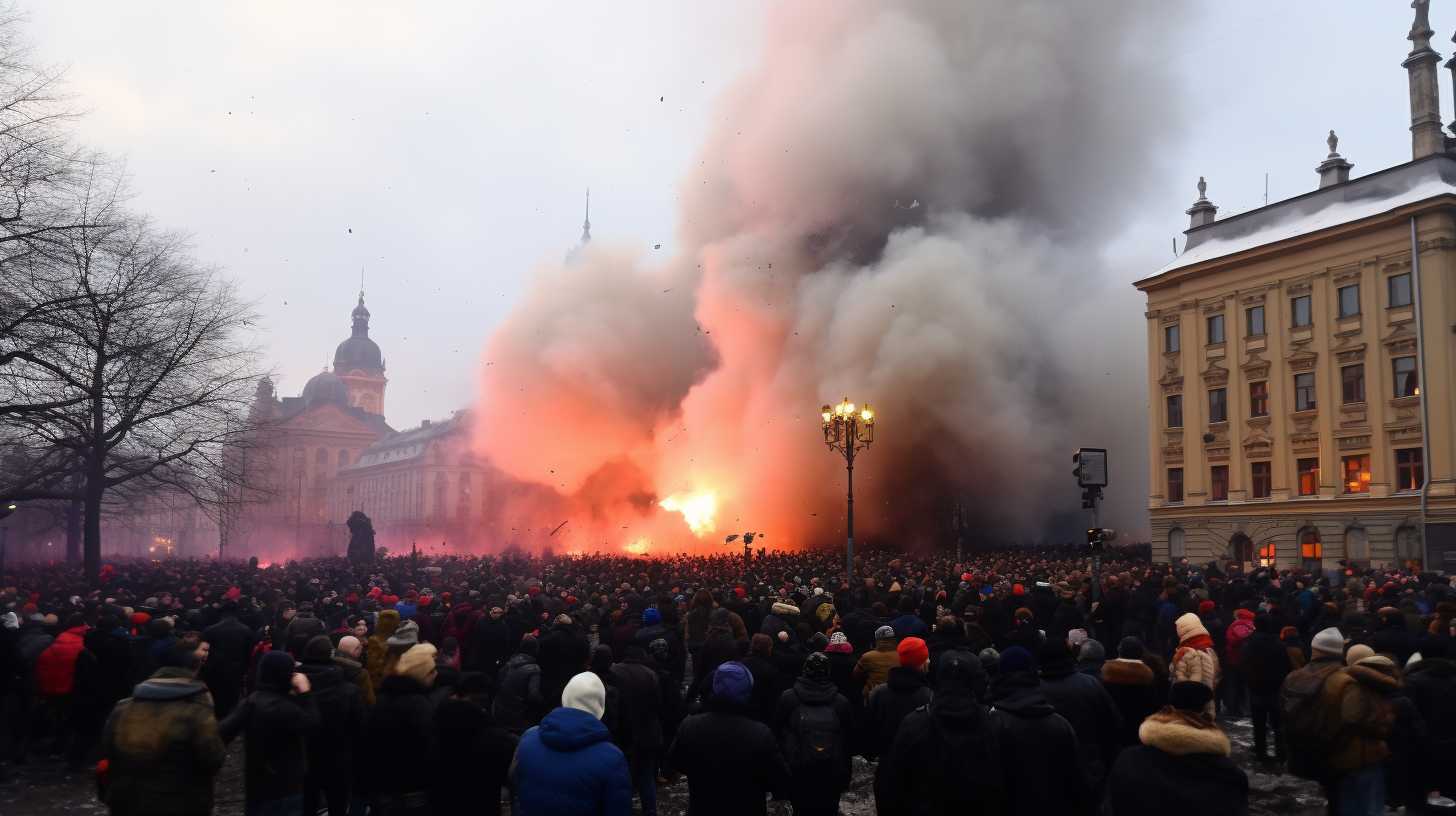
{"type": "Point", "coordinates": [1124, 672]}
{"type": "Point", "coordinates": [1376, 673]}
{"type": "Point", "coordinates": [1179, 733]}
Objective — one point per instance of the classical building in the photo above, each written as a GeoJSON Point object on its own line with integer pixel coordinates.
{"type": "Point", "coordinates": [1301, 361]}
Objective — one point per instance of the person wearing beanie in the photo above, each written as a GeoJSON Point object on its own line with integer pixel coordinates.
{"type": "Point", "coordinates": [1182, 764]}
{"type": "Point", "coordinates": [731, 761]}
{"type": "Point", "coordinates": [1309, 716]}
{"type": "Point", "coordinates": [873, 667]}
{"type": "Point", "coordinates": [1234, 691]}
{"type": "Point", "coordinates": [842, 661]}
{"type": "Point", "coordinates": [1294, 646]}
{"type": "Point", "coordinates": [275, 720]}
{"type": "Point", "coordinates": [1195, 659]}
{"type": "Point", "coordinates": [1090, 658]}
{"type": "Point", "coordinates": [1357, 653]}
{"type": "Point", "coordinates": [230, 642]}
{"type": "Point", "coordinates": [945, 759]}
{"type": "Point", "coordinates": [341, 720]}
{"type": "Point", "coordinates": [990, 661]}
{"type": "Point", "coordinates": [568, 763]}
{"type": "Point", "coordinates": [1393, 637]}
{"type": "Point", "coordinates": [813, 722]}
{"type": "Point", "coordinates": [1083, 702]}
{"type": "Point", "coordinates": [906, 689]}
{"type": "Point", "coordinates": [1037, 747]}
{"type": "Point", "coordinates": [397, 781]}
{"type": "Point", "coordinates": [1264, 663]}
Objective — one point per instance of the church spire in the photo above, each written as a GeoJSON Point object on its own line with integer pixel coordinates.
{"type": "Point", "coordinates": [586, 224]}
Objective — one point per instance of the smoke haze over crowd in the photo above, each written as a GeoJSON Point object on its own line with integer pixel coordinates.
{"type": "Point", "coordinates": [903, 205]}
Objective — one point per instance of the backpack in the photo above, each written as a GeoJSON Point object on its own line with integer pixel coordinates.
{"type": "Point", "coordinates": [1308, 728]}
{"type": "Point", "coordinates": [815, 737]}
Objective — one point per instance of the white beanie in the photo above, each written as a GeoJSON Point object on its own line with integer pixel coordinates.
{"type": "Point", "coordinates": [585, 692]}
{"type": "Point", "coordinates": [1328, 642]}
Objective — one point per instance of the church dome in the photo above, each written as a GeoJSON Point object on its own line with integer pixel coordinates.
{"type": "Point", "coordinates": [325, 388]}
{"type": "Point", "coordinates": [359, 352]}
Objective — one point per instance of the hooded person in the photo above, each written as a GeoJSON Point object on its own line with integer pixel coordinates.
{"type": "Point", "coordinates": [1264, 663]}
{"type": "Point", "coordinates": [518, 703]}
{"type": "Point", "coordinates": [1085, 704]}
{"type": "Point", "coordinates": [874, 666]}
{"type": "Point", "coordinates": [732, 761]}
{"type": "Point", "coordinates": [397, 781]}
{"type": "Point", "coordinates": [1038, 748]}
{"type": "Point", "coordinates": [1195, 659]}
{"type": "Point", "coordinates": [341, 724]}
{"type": "Point", "coordinates": [1364, 696]}
{"type": "Point", "coordinates": [568, 763]}
{"type": "Point", "coordinates": [1182, 765]}
{"type": "Point", "coordinates": [813, 723]}
{"type": "Point", "coordinates": [475, 753]}
{"type": "Point", "coordinates": [945, 759]}
{"type": "Point", "coordinates": [1129, 682]}
{"type": "Point", "coordinates": [275, 721]}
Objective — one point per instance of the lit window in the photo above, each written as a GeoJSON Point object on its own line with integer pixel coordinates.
{"type": "Point", "coordinates": [1349, 300]}
{"type": "Point", "coordinates": [1299, 311]}
{"type": "Point", "coordinates": [1258, 399]}
{"type": "Point", "coordinates": [1399, 289]}
{"type": "Point", "coordinates": [1218, 405]}
{"type": "Point", "coordinates": [1266, 555]}
{"type": "Point", "coordinates": [1255, 320]}
{"type": "Point", "coordinates": [1170, 338]}
{"type": "Point", "coordinates": [1263, 479]}
{"type": "Point", "coordinates": [1304, 392]}
{"type": "Point", "coordinates": [1219, 491]}
{"type": "Point", "coordinates": [1308, 477]}
{"type": "Point", "coordinates": [1352, 383]}
{"type": "Point", "coordinates": [1410, 472]}
{"type": "Point", "coordinates": [1215, 329]}
{"type": "Point", "coordinates": [1175, 411]}
{"type": "Point", "coordinates": [1311, 549]}
{"type": "Point", "coordinates": [1407, 379]}
{"type": "Point", "coordinates": [1175, 484]}
{"type": "Point", "coordinates": [1357, 473]}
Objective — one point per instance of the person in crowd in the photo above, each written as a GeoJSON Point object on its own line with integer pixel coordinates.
{"type": "Point", "coordinates": [1038, 748]}
{"type": "Point", "coordinates": [493, 642]}
{"type": "Point", "coordinates": [1195, 659]}
{"type": "Point", "coordinates": [346, 657]}
{"type": "Point", "coordinates": [1309, 720]}
{"type": "Point", "coordinates": [231, 643]}
{"type": "Point", "coordinates": [813, 724]}
{"type": "Point", "coordinates": [874, 666]}
{"type": "Point", "coordinates": [518, 703]}
{"type": "Point", "coordinates": [640, 697]}
{"type": "Point", "coordinates": [1090, 657]}
{"type": "Point", "coordinates": [1362, 698]}
{"type": "Point", "coordinates": [946, 760]}
{"type": "Point", "coordinates": [1182, 765]}
{"type": "Point", "coordinates": [906, 690]}
{"type": "Point", "coordinates": [275, 721]}
{"type": "Point", "coordinates": [731, 760]}
{"type": "Point", "coordinates": [55, 680]}
{"type": "Point", "coordinates": [766, 687]}
{"type": "Point", "coordinates": [1083, 702]}
{"type": "Point", "coordinates": [568, 763]}
{"type": "Point", "coordinates": [398, 782]}
{"type": "Point", "coordinates": [160, 748]}
{"type": "Point", "coordinates": [378, 648]}
{"type": "Point", "coordinates": [1294, 647]}
{"type": "Point", "coordinates": [475, 753]}
{"type": "Point", "coordinates": [1264, 663]}
{"type": "Point", "coordinates": [341, 724]}
{"type": "Point", "coordinates": [1129, 682]}
{"type": "Point", "coordinates": [1430, 685]}
{"type": "Point", "coordinates": [1235, 689]}
{"type": "Point", "coordinates": [564, 653]}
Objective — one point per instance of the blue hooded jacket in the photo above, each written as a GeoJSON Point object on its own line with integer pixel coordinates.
{"type": "Point", "coordinates": [568, 764]}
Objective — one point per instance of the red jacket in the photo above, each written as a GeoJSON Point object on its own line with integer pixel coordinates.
{"type": "Point", "coordinates": [1236, 634]}
{"type": "Point", "coordinates": [55, 669]}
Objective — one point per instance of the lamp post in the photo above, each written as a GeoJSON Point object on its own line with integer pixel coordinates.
{"type": "Point", "coordinates": [849, 432]}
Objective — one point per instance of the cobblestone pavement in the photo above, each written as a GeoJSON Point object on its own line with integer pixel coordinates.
{"type": "Point", "coordinates": [44, 787]}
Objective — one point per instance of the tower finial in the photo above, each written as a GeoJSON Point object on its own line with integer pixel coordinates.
{"type": "Point", "coordinates": [586, 223]}
{"type": "Point", "coordinates": [361, 282]}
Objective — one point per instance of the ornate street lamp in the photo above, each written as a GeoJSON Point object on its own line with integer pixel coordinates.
{"type": "Point", "coordinates": [849, 432]}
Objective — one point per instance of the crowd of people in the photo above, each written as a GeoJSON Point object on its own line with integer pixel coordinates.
{"type": "Point", "coordinates": [1008, 682]}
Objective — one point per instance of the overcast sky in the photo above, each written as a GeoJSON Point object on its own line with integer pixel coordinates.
{"type": "Point", "coordinates": [447, 147]}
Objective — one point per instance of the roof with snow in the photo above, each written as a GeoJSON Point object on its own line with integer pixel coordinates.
{"type": "Point", "coordinates": [1355, 200]}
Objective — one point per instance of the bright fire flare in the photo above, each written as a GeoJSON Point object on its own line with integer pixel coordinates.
{"type": "Point", "coordinates": [638, 547]}
{"type": "Point", "coordinates": [699, 510]}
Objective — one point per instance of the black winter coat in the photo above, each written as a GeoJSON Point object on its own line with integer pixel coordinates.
{"type": "Point", "coordinates": [275, 728]}
{"type": "Point", "coordinates": [1094, 716]}
{"type": "Point", "coordinates": [563, 655]}
{"type": "Point", "coordinates": [1039, 751]}
{"type": "Point", "coordinates": [403, 747]}
{"type": "Point", "coordinates": [475, 758]}
{"type": "Point", "coordinates": [813, 786]}
{"type": "Point", "coordinates": [1148, 781]}
{"type": "Point", "coordinates": [231, 644]}
{"type": "Point", "coordinates": [1133, 689]}
{"type": "Point", "coordinates": [1431, 686]}
{"type": "Point", "coordinates": [767, 687]}
{"type": "Point", "coordinates": [1394, 639]}
{"type": "Point", "coordinates": [518, 704]}
{"type": "Point", "coordinates": [1265, 664]}
{"type": "Point", "coordinates": [945, 761]}
{"type": "Point", "coordinates": [639, 714]}
{"type": "Point", "coordinates": [889, 704]}
{"type": "Point", "coordinates": [731, 761]}
{"type": "Point", "coordinates": [341, 720]}
{"type": "Point", "coordinates": [493, 645]}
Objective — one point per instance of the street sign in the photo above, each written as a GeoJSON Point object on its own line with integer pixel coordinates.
{"type": "Point", "coordinates": [1091, 467]}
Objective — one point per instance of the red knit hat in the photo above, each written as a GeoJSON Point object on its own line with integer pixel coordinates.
{"type": "Point", "coordinates": [1018, 589]}
{"type": "Point", "coordinates": [913, 652]}
{"type": "Point", "coordinates": [1205, 607]}
{"type": "Point", "coordinates": [1244, 614]}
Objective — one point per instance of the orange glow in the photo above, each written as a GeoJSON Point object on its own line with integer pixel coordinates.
{"type": "Point", "coordinates": [639, 547]}
{"type": "Point", "coordinates": [699, 510]}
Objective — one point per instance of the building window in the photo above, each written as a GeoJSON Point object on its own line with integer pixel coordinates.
{"type": "Point", "coordinates": [1304, 392]}
{"type": "Point", "coordinates": [1408, 549]}
{"type": "Point", "coordinates": [1410, 471]}
{"type": "Point", "coordinates": [1352, 383]}
{"type": "Point", "coordinates": [1218, 405]}
{"type": "Point", "coordinates": [1175, 411]}
{"type": "Point", "coordinates": [1357, 546]}
{"type": "Point", "coordinates": [1258, 399]}
{"type": "Point", "coordinates": [1349, 300]}
{"type": "Point", "coordinates": [1267, 553]}
{"type": "Point", "coordinates": [1357, 473]}
{"type": "Point", "coordinates": [1407, 379]}
{"type": "Point", "coordinates": [1263, 479]}
{"type": "Point", "coordinates": [1254, 319]}
{"type": "Point", "coordinates": [1398, 288]}
{"type": "Point", "coordinates": [1299, 315]}
{"type": "Point", "coordinates": [1170, 338]}
{"type": "Point", "coordinates": [1308, 477]}
{"type": "Point", "coordinates": [1242, 548]}
{"type": "Point", "coordinates": [1177, 544]}
{"type": "Point", "coordinates": [1219, 490]}
{"type": "Point", "coordinates": [1311, 550]}
{"type": "Point", "coordinates": [1215, 329]}
{"type": "Point", "coordinates": [1175, 484]}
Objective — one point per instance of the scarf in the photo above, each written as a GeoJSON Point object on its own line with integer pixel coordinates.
{"type": "Point", "coordinates": [1197, 642]}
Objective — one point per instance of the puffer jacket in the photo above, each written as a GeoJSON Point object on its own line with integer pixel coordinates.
{"type": "Point", "coordinates": [55, 669]}
{"type": "Point", "coordinates": [1361, 695]}
{"type": "Point", "coordinates": [874, 666]}
{"type": "Point", "coordinates": [1195, 659]}
{"type": "Point", "coordinates": [1238, 632]}
{"type": "Point", "coordinates": [163, 748]}
{"type": "Point", "coordinates": [568, 764]}
{"type": "Point", "coordinates": [517, 705]}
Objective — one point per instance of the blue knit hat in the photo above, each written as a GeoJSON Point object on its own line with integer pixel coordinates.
{"type": "Point", "coordinates": [1016, 659]}
{"type": "Point", "coordinates": [651, 617]}
{"type": "Point", "coordinates": [275, 671]}
{"type": "Point", "coordinates": [732, 683]}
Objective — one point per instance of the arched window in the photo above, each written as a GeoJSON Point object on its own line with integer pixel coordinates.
{"type": "Point", "coordinates": [1311, 550]}
{"type": "Point", "coordinates": [1357, 546]}
{"type": "Point", "coordinates": [1408, 549]}
{"type": "Point", "coordinates": [1241, 549]}
{"type": "Point", "coordinates": [1177, 548]}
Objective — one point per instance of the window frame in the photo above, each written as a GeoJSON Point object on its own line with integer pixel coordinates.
{"type": "Point", "coordinates": [1410, 475]}
{"type": "Point", "coordinates": [1215, 483]}
{"type": "Point", "coordinates": [1345, 384]}
{"type": "Point", "coordinates": [1168, 411]}
{"type": "Point", "coordinates": [1340, 297]}
{"type": "Point", "coordinates": [1294, 304]}
{"type": "Point", "coordinates": [1221, 404]}
{"type": "Point", "coordinates": [1390, 291]}
{"type": "Point", "coordinates": [1264, 479]}
{"type": "Point", "coordinates": [1314, 473]}
{"type": "Point", "coordinates": [1210, 323]}
{"type": "Point", "coordinates": [1299, 402]}
{"type": "Point", "coordinates": [1172, 481]}
{"type": "Point", "coordinates": [1361, 472]}
{"type": "Point", "coordinates": [1259, 403]}
{"type": "Point", "coordinates": [1413, 375]}
{"type": "Point", "coordinates": [1172, 339]}
{"type": "Point", "coordinates": [1249, 321]}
